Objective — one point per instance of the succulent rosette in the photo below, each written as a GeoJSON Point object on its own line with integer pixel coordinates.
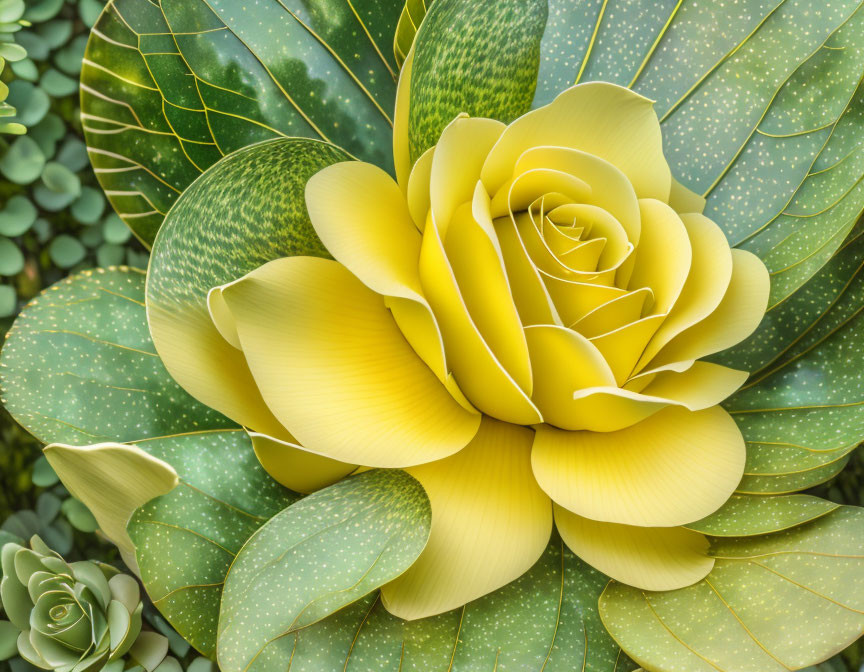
{"type": "Point", "coordinates": [514, 350]}
{"type": "Point", "coordinates": [74, 616]}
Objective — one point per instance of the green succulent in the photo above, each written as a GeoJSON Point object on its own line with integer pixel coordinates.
{"type": "Point", "coordinates": [73, 617]}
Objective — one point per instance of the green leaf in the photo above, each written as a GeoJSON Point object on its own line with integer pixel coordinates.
{"type": "Point", "coordinates": [167, 92]}
{"type": "Point", "coordinates": [800, 414]}
{"type": "Point", "coordinates": [43, 475]}
{"type": "Point", "coordinates": [186, 540]}
{"type": "Point", "coordinates": [772, 603]}
{"type": "Point", "coordinates": [60, 179]}
{"type": "Point", "coordinates": [78, 366]}
{"type": "Point", "coordinates": [744, 515]}
{"type": "Point", "coordinates": [17, 217]}
{"type": "Point", "coordinates": [8, 301]}
{"type": "Point", "coordinates": [11, 259]}
{"type": "Point", "coordinates": [23, 161]}
{"type": "Point", "coordinates": [89, 206]}
{"type": "Point", "coordinates": [409, 21]}
{"type": "Point", "coordinates": [474, 57]}
{"type": "Point", "coordinates": [66, 251]}
{"type": "Point", "coordinates": [545, 620]}
{"type": "Point", "coordinates": [57, 85]}
{"type": "Point", "coordinates": [317, 556]}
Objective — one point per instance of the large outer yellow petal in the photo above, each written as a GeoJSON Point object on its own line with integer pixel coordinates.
{"type": "Point", "coordinates": [362, 218]}
{"type": "Point", "coordinates": [673, 468]}
{"type": "Point", "coordinates": [649, 558]}
{"type": "Point", "coordinates": [739, 313]}
{"type": "Point", "coordinates": [490, 524]}
{"type": "Point", "coordinates": [335, 369]}
{"type": "Point", "coordinates": [295, 467]}
{"type": "Point", "coordinates": [601, 119]}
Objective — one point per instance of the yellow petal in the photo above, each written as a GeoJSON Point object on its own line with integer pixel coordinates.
{"type": "Point", "coordinates": [682, 200]}
{"type": "Point", "coordinates": [664, 255]}
{"type": "Point", "coordinates": [739, 313]}
{"type": "Point", "coordinates": [418, 189]}
{"type": "Point", "coordinates": [222, 318]}
{"type": "Point", "coordinates": [532, 298]}
{"type": "Point", "coordinates": [574, 299]}
{"type": "Point", "coordinates": [479, 273]}
{"type": "Point", "coordinates": [611, 191]}
{"type": "Point", "coordinates": [295, 467]}
{"type": "Point", "coordinates": [112, 480]}
{"type": "Point", "coordinates": [533, 184]}
{"type": "Point", "coordinates": [597, 118]}
{"type": "Point", "coordinates": [335, 369]}
{"type": "Point", "coordinates": [401, 148]}
{"type": "Point", "coordinates": [207, 365]}
{"type": "Point", "coordinates": [671, 469]}
{"type": "Point", "coordinates": [456, 164]}
{"type": "Point", "coordinates": [650, 558]}
{"type": "Point", "coordinates": [485, 382]}
{"type": "Point", "coordinates": [490, 524]}
{"type": "Point", "coordinates": [705, 286]}
{"type": "Point", "coordinates": [614, 314]}
{"type": "Point", "coordinates": [621, 348]}
{"type": "Point", "coordinates": [701, 385]}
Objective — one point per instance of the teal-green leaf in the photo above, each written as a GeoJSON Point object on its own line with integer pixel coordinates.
{"type": "Point", "coordinates": [66, 251]}
{"type": "Point", "coordinates": [474, 57]}
{"type": "Point", "coordinates": [78, 366]}
{"type": "Point", "coordinates": [58, 178]}
{"type": "Point", "coordinates": [17, 217]}
{"type": "Point", "coordinates": [546, 620]}
{"type": "Point", "coordinates": [167, 91]}
{"type": "Point", "coordinates": [186, 540]}
{"type": "Point", "coordinates": [748, 515]}
{"type": "Point", "coordinates": [56, 84]}
{"type": "Point", "coordinates": [320, 554]}
{"type": "Point", "coordinates": [23, 161]}
{"type": "Point", "coordinates": [772, 603]}
{"type": "Point", "coordinates": [11, 259]}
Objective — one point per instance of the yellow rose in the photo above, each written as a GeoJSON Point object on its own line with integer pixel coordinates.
{"type": "Point", "coordinates": [520, 322]}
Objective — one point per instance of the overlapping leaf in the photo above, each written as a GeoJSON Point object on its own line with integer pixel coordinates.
{"type": "Point", "coordinates": [78, 366]}
{"type": "Point", "coordinates": [321, 554]}
{"type": "Point", "coordinates": [772, 603]}
{"type": "Point", "coordinates": [170, 87]}
{"type": "Point", "coordinates": [186, 540]}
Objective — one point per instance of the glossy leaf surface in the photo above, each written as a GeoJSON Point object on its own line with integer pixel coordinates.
{"type": "Point", "coordinates": [78, 366]}
{"type": "Point", "coordinates": [170, 87]}
{"type": "Point", "coordinates": [318, 555]}
{"type": "Point", "coordinates": [777, 602]}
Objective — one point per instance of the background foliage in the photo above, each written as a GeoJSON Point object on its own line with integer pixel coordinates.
{"type": "Point", "coordinates": [55, 220]}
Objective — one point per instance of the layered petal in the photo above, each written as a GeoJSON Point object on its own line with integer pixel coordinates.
{"type": "Point", "coordinates": [735, 318]}
{"type": "Point", "coordinates": [490, 524]}
{"type": "Point", "coordinates": [597, 118]}
{"type": "Point", "coordinates": [675, 467]}
{"type": "Point", "coordinates": [650, 558]}
{"type": "Point", "coordinates": [335, 369]}
{"type": "Point", "coordinates": [295, 467]}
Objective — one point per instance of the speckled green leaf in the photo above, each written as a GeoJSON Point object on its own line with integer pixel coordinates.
{"type": "Point", "coordinates": [545, 621]}
{"type": "Point", "coordinates": [78, 366]}
{"type": "Point", "coordinates": [772, 603]}
{"type": "Point", "coordinates": [315, 557]}
{"type": "Point", "coordinates": [186, 540]}
{"type": "Point", "coordinates": [747, 515]}
{"type": "Point", "coordinates": [474, 57]}
{"type": "Point", "coordinates": [169, 88]}
{"type": "Point", "coordinates": [800, 414]}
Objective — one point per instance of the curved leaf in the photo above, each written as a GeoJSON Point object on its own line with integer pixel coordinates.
{"type": "Point", "coordinates": [169, 88]}
{"type": "Point", "coordinates": [186, 540]}
{"type": "Point", "coordinates": [486, 66]}
{"type": "Point", "coordinates": [409, 21]}
{"type": "Point", "coordinates": [776, 602]}
{"type": "Point", "coordinates": [317, 556]}
{"type": "Point", "coordinates": [545, 621]}
{"type": "Point", "coordinates": [744, 516]}
{"type": "Point", "coordinates": [78, 366]}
